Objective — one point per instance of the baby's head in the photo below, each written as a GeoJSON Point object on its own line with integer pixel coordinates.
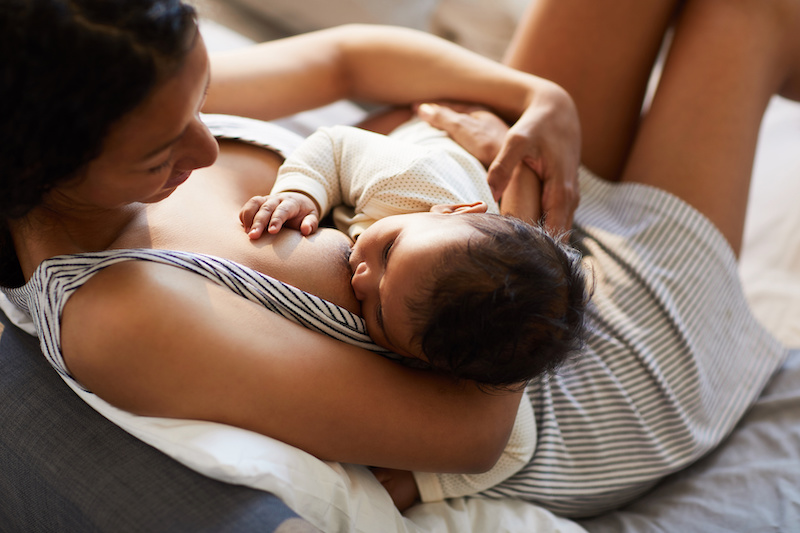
{"type": "Point", "coordinates": [478, 296]}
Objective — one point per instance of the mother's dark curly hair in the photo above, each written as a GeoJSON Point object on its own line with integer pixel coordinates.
{"type": "Point", "coordinates": [70, 70]}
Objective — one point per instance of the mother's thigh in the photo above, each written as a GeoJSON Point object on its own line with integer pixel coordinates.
{"type": "Point", "coordinates": [602, 52]}
{"type": "Point", "coordinates": [698, 140]}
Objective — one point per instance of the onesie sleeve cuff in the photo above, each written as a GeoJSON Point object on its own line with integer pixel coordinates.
{"type": "Point", "coordinates": [296, 182]}
{"type": "Point", "coordinates": [430, 488]}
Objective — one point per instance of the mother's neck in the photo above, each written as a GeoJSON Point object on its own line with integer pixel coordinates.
{"type": "Point", "coordinates": [45, 233]}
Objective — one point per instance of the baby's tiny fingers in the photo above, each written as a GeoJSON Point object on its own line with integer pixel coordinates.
{"type": "Point", "coordinates": [249, 210]}
{"type": "Point", "coordinates": [262, 217]}
{"type": "Point", "coordinates": [559, 201]}
{"type": "Point", "coordinates": [286, 209]}
{"type": "Point", "coordinates": [310, 224]}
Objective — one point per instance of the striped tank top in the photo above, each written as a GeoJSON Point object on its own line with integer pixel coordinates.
{"type": "Point", "coordinates": [57, 278]}
{"type": "Point", "coordinates": [673, 358]}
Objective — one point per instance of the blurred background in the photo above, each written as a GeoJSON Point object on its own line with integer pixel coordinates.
{"type": "Point", "coordinates": [484, 26]}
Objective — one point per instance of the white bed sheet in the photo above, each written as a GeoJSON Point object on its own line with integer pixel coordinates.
{"type": "Point", "coordinates": [770, 262]}
{"type": "Point", "coordinates": [334, 497]}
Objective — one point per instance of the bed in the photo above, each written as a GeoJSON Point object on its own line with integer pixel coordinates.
{"type": "Point", "coordinates": [64, 466]}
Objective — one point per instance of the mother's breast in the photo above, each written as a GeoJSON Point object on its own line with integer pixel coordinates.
{"type": "Point", "coordinates": [317, 263]}
{"type": "Point", "coordinates": [203, 216]}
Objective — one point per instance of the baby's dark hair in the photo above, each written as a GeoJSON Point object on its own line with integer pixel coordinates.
{"type": "Point", "coordinates": [70, 70]}
{"type": "Point", "coordinates": [505, 307]}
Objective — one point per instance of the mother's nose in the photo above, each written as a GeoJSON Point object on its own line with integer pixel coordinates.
{"type": "Point", "coordinates": [201, 148]}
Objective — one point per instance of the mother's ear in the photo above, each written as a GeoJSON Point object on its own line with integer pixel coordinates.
{"type": "Point", "coordinates": [454, 209]}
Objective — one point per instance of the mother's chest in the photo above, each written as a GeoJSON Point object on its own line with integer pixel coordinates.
{"type": "Point", "coordinates": [205, 219]}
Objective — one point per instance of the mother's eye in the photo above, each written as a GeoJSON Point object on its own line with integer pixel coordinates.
{"type": "Point", "coordinates": [161, 167]}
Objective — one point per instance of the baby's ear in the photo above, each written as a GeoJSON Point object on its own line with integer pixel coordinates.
{"type": "Point", "coordinates": [451, 209]}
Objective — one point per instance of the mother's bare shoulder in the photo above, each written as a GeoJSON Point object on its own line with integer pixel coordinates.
{"type": "Point", "coordinates": [136, 327]}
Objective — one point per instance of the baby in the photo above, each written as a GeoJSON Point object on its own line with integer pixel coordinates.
{"type": "Point", "coordinates": [475, 295]}
{"type": "Point", "coordinates": [472, 294]}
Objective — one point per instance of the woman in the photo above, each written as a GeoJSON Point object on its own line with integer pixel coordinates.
{"type": "Point", "coordinates": [102, 131]}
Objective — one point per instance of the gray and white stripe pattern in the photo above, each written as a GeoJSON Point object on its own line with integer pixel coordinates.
{"type": "Point", "coordinates": [673, 356]}
{"type": "Point", "coordinates": [46, 294]}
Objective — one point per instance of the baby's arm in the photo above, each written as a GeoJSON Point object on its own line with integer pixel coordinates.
{"type": "Point", "coordinates": [406, 487]}
{"type": "Point", "coordinates": [306, 187]}
{"type": "Point", "coordinates": [357, 168]}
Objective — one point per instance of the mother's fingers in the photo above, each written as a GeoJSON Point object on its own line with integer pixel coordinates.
{"type": "Point", "coordinates": [560, 196]}
{"type": "Point", "coordinates": [547, 139]}
{"type": "Point", "coordinates": [511, 154]}
{"type": "Point", "coordinates": [477, 130]}
{"type": "Point", "coordinates": [555, 166]}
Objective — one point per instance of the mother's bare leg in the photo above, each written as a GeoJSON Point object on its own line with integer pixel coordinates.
{"type": "Point", "coordinates": [698, 140]}
{"type": "Point", "coordinates": [602, 52]}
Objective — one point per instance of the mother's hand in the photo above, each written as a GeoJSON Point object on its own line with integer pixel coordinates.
{"type": "Point", "coordinates": [546, 139]}
{"type": "Point", "coordinates": [479, 131]}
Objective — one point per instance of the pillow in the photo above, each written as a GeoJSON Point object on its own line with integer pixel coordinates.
{"type": "Point", "coordinates": [66, 468]}
{"type": "Point", "coordinates": [332, 496]}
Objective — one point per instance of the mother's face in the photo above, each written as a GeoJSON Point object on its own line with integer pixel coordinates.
{"type": "Point", "coordinates": [152, 149]}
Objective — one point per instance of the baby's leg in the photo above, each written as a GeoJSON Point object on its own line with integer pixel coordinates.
{"type": "Point", "coordinates": [602, 52]}
{"type": "Point", "coordinates": [698, 140]}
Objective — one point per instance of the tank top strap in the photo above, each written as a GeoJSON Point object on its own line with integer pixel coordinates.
{"type": "Point", "coordinates": [57, 278]}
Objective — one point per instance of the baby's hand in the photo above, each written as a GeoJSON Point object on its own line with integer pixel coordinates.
{"type": "Point", "coordinates": [293, 209]}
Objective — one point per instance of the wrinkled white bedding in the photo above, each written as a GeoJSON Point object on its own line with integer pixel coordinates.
{"type": "Point", "coordinates": [332, 496]}
{"type": "Point", "coordinates": [770, 262]}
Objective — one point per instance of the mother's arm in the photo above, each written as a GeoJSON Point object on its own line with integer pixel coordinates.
{"type": "Point", "coordinates": [402, 66]}
{"type": "Point", "coordinates": [165, 342]}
